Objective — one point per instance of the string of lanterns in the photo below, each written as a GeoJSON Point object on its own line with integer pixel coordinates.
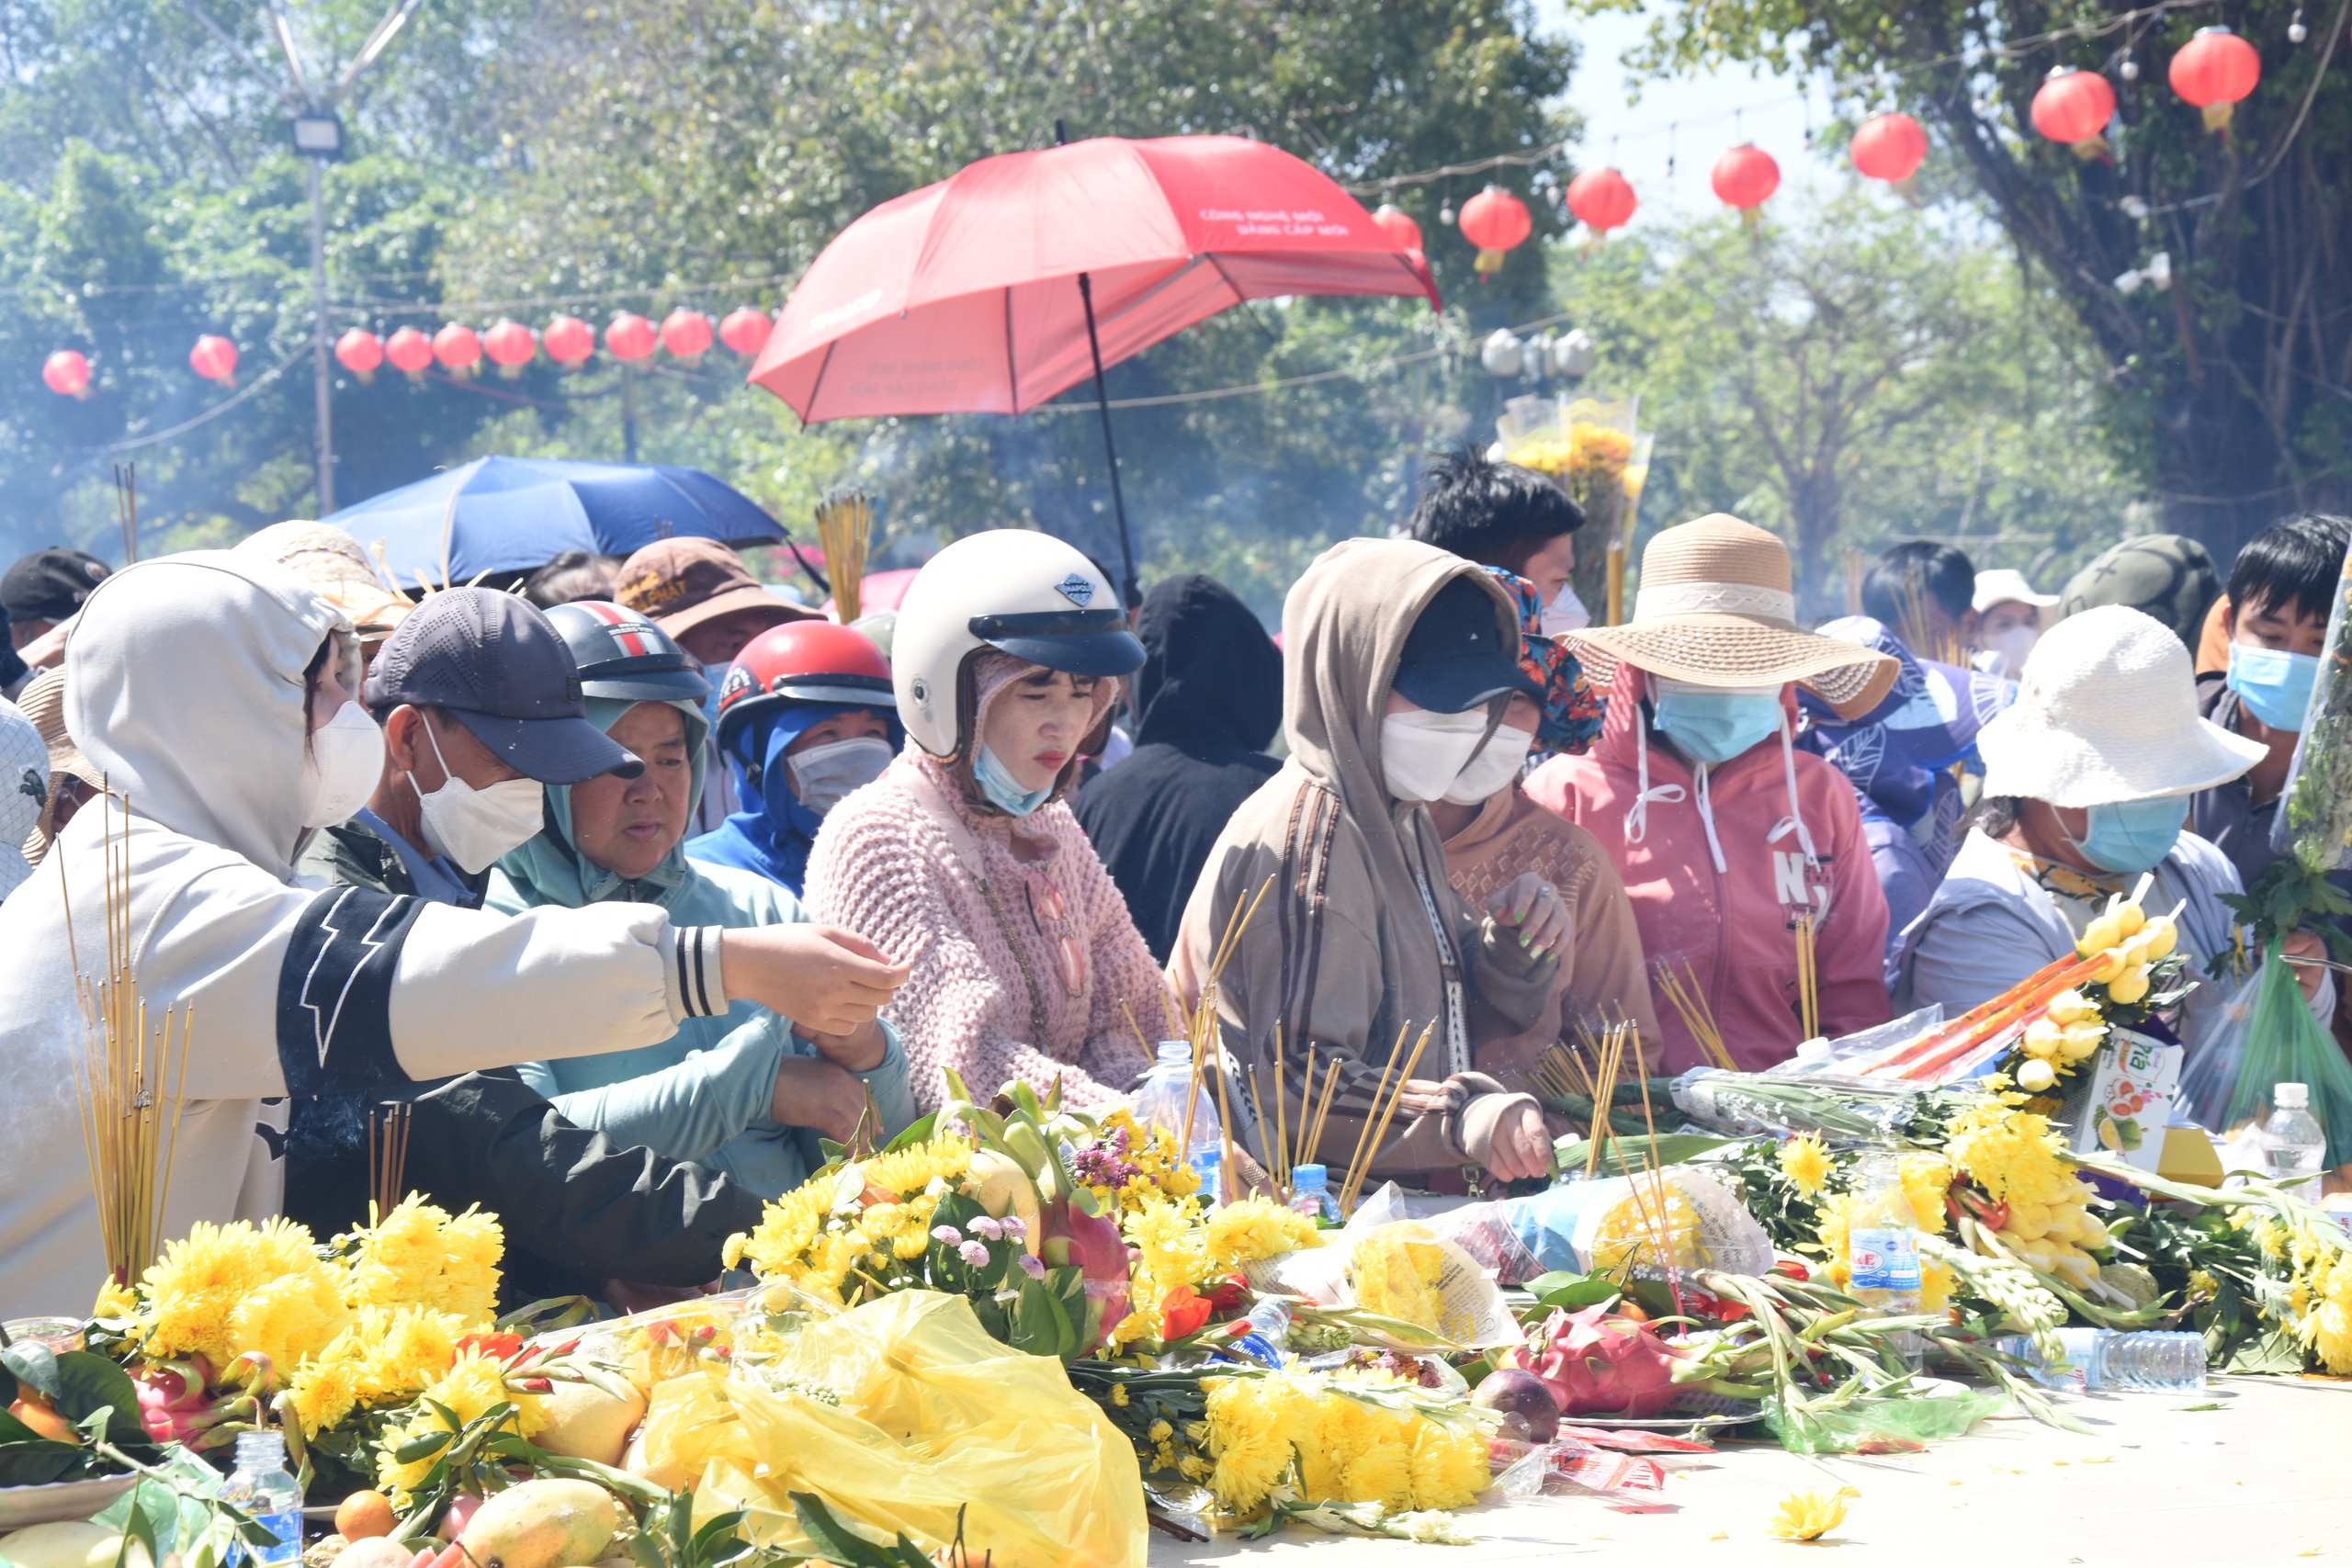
{"type": "Point", "coordinates": [458, 350]}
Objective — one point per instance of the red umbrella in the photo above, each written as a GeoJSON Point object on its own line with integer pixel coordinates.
{"type": "Point", "coordinates": [1023, 275]}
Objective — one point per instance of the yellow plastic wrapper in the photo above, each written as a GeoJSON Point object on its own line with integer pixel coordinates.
{"type": "Point", "coordinates": [934, 1416]}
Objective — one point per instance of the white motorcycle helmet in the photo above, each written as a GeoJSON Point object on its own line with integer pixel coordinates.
{"type": "Point", "coordinates": [1016, 590]}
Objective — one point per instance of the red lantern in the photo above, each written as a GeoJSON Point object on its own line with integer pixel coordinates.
{"type": "Point", "coordinates": [360, 351]}
{"type": "Point", "coordinates": [1495, 221]}
{"type": "Point", "coordinates": [746, 331]}
{"type": "Point", "coordinates": [1601, 200]}
{"type": "Point", "coordinates": [1889, 147]}
{"type": "Point", "coordinates": [215, 359]}
{"type": "Point", "coordinates": [1744, 176]}
{"type": "Point", "coordinates": [410, 351]}
{"type": "Point", "coordinates": [510, 347]}
{"type": "Point", "coordinates": [458, 349]}
{"type": "Point", "coordinates": [630, 337]}
{"type": "Point", "coordinates": [686, 334]}
{"type": "Point", "coordinates": [1399, 225]}
{"type": "Point", "coordinates": [568, 341]}
{"type": "Point", "coordinates": [66, 373]}
{"type": "Point", "coordinates": [2213, 71]}
{"type": "Point", "coordinates": [2074, 106]}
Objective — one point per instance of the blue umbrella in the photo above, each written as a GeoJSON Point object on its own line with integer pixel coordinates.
{"type": "Point", "coordinates": [517, 513]}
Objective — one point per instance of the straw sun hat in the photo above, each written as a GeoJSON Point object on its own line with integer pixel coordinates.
{"type": "Point", "coordinates": [1718, 607]}
{"type": "Point", "coordinates": [2107, 712]}
{"type": "Point", "coordinates": [333, 563]}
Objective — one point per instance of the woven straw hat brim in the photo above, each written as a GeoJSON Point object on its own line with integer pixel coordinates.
{"type": "Point", "coordinates": [2025, 755]}
{"type": "Point", "coordinates": [1736, 650]}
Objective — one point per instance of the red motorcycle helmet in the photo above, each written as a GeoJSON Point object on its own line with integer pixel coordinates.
{"type": "Point", "coordinates": [803, 661]}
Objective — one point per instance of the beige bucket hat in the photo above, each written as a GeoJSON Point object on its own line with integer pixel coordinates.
{"type": "Point", "coordinates": [2107, 712]}
{"type": "Point", "coordinates": [333, 563]}
{"type": "Point", "coordinates": [1718, 607]}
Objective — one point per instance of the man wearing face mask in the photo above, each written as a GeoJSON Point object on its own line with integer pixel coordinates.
{"type": "Point", "coordinates": [1399, 662]}
{"type": "Point", "coordinates": [479, 705]}
{"type": "Point", "coordinates": [805, 715]}
{"type": "Point", "coordinates": [2010, 618]}
{"type": "Point", "coordinates": [1725, 834]}
{"type": "Point", "coordinates": [2088, 783]}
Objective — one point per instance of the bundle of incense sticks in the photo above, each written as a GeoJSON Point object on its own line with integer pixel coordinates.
{"type": "Point", "coordinates": [1202, 1029]}
{"type": "Point", "coordinates": [1612, 1057]}
{"type": "Point", "coordinates": [1919, 628]}
{"type": "Point", "coordinates": [1310, 1129]}
{"type": "Point", "coordinates": [1857, 567]}
{"type": "Point", "coordinates": [387, 1160]}
{"type": "Point", "coordinates": [1375, 1124]}
{"type": "Point", "coordinates": [1808, 979]}
{"type": "Point", "coordinates": [845, 527]}
{"type": "Point", "coordinates": [121, 1070]}
{"type": "Point", "coordinates": [1682, 993]}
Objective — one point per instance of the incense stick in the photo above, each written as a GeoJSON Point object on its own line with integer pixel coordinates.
{"type": "Point", "coordinates": [1356, 1174]}
{"type": "Point", "coordinates": [1690, 1002]}
{"type": "Point", "coordinates": [1281, 1119]}
{"type": "Point", "coordinates": [1808, 986]}
{"type": "Point", "coordinates": [126, 501]}
{"type": "Point", "coordinates": [1257, 1113]}
{"type": "Point", "coordinates": [1363, 1131]}
{"type": "Point", "coordinates": [1148, 1048]}
{"type": "Point", "coordinates": [1323, 1111]}
{"type": "Point", "coordinates": [388, 1160]}
{"type": "Point", "coordinates": [844, 526]}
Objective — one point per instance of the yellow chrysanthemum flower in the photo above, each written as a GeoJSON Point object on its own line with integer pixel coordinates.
{"type": "Point", "coordinates": [471, 1386]}
{"type": "Point", "coordinates": [201, 1294]}
{"type": "Point", "coordinates": [909, 1170]}
{"type": "Point", "coordinates": [2011, 1154]}
{"type": "Point", "coordinates": [2325, 1324]}
{"type": "Point", "coordinates": [324, 1393]}
{"type": "Point", "coordinates": [1256, 1228]}
{"type": "Point", "coordinates": [1809, 1516]}
{"type": "Point", "coordinates": [1805, 1162]}
{"type": "Point", "coordinates": [1927, 1178]}
{"type": "Point", "coordinates": [1449, 1465]}
{"type": "Point", "coordinates": [115, 1301]}
{"type": "Point", "coordinates": [1396, 1270]}
{"type": "Point", "coordinates": [1248, 1438]}
{"type": "Point", "coordinates": [291, 1317]}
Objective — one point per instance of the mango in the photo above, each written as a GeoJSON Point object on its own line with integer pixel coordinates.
{"type": "Point", "coordinates": [1004, 1188]}
{"type": "Point", "coordinates": [376, 1552]}
{"type": "Point", "coordinates": [584, 1422]}
{"type": "Point", "coordinates": [70, 1543]}
{"type": "Point", "coordinates": [541, 1524]}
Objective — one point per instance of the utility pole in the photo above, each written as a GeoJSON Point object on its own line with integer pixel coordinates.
{"type": "Point", "coordinates": [318, 138]}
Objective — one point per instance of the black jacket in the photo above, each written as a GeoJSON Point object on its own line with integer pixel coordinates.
{"type": "Point", "coordinates": [1209, 700]}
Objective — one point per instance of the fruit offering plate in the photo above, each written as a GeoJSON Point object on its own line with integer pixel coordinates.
{"type": "Point", "coordinates": [22, 1506]}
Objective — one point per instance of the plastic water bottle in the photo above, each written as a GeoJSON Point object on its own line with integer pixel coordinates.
{"type": "Point", "coordinates": [1160, 1101]}
{"type": "Point", "coordinates": [2115, 1358]}
{"type": "Point", "coordinates": [264, 1487]}
{"type": "Point", "coordinates": [1310, 1191]}
{"type": "Point", "coordinates": [2294, 1142]}
{"type": "Point", "coordinates": [1269, 1327]}
{"type": "Point", "coordinates": [1882, 1249]}
{"type": "Point", "coordinates": [1207, 1162]}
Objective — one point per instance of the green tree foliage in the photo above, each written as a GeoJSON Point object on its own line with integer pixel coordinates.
{"type": "Point", "coordinates": [2238, 382]}
{"type": "Point", "coordinates": [1852, 373]}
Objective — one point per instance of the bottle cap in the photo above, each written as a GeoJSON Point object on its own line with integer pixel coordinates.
{"type": "Point", "coordinates": [1813, 1050]}
{"type": "Point", "coordinates": [1310, 1179]}
{"type": "Point", "coordinates": [260, 1451]}
{"type": "Point", "coordinates": [2293, 1096]}
{"type": "Point", "coordinates": [1176, 1051]}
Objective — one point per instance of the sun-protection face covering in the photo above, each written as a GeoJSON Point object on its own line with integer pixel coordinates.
{"type": "Point", "coordinates": [2132, 835]}
{"type": "Point", "coordinates": [340, 766]}
{"type": "Point", "coordinates": [1714, 724]}
{"type": "Point", "coordinates": [1564, 614]}
{"type": "Point", "coordinates": [1004, 792]}
{"type": "Point", "coordinates": [474, 826]}
{"type": "Point", "coordinates": [2275, 684]}
{"type": "Point", "coordinates": [823, 776]}
{"type": "Point", "coordinates": [2013, 643]}
{"type": "Point", "coordinates": [1496, 763]}
{"type": "Point", "coordinates": [1422, 752]}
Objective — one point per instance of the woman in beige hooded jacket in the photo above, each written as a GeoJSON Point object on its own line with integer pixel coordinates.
{"type": "Point", "coordinates": [1361, 943]}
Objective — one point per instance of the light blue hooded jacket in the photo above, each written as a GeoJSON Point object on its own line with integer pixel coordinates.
{"type": "Point", "coordinates": [705, 1093]}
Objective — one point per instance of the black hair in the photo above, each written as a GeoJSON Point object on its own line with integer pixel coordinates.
{"type": "Point", "coordinates": [2295, 562]}
{"type": "Point", "coordinates": [1494, 514]}
{"type": "Point", "coordinates": [1917, 569]}
{"type": "Point", "coordinates": [571, 577]}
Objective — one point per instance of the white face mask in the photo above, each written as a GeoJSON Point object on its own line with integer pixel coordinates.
{"type": "Point", "coordinates": [340, 766]}
{"type": "Point", "coordinates": [823, 776]}
{"type": "Point", "coordinates": [1564, 614]}
{"type": "Point", "coordinates": [474, 826]}
{"type": "Point", "coordinates": [2013, 643]}
{"type": "Point", "coordinates": [1496, 763]}
{"type": "Point", "coordinates": [1421, 753]}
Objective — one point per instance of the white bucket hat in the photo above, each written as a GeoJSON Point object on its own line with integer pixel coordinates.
{"type": "Point", "coordinates": [2006, 585]}
{"type": "Point", "coordinates": [2107, 712]}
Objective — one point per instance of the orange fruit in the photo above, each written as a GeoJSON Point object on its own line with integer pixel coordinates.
{"type": "Point", "coordinates": [34, 1412]}
{"type": "Point", "coordinates": [363, 1515]}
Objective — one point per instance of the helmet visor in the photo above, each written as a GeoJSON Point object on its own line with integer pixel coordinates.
{"type": "Point", "coordinates": [1082, 642]}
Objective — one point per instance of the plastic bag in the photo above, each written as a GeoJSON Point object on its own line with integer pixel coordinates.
{"type": "Point", "coordinates": [2210, 1079]}
{"type": "Point", "coordinates": [936, 1417]}
{"type": "Point", "coordinates": [2286, 1045]}
{"type": "Point", "coordinates": [1882, 1426]}
{"type": "Point", "coordinates": [1678, 1218]}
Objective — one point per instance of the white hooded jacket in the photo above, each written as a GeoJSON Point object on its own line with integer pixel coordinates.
{"type": "Point", "coordinates": [184, 686]}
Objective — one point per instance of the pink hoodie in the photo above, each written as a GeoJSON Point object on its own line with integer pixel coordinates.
{"type": "Point", "coordinates": [1734, 926]}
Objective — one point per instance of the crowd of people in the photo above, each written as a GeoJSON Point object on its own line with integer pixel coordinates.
{"type": "Point", "coordinates": [641, 883]}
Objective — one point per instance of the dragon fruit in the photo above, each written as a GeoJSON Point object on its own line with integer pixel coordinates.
{"type": "Point", "coordinates": [1094, 1245]}
{"type": "Point", "coordinates": [1594, 1364]}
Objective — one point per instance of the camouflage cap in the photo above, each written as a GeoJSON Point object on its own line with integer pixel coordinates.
{"type": "Point", "coordinates": [2168, 576]}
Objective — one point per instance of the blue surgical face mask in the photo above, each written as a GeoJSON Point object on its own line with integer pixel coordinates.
{"type": "Point", "coordinates": [2275, 684]}
{"type": "Point", "coordinates": [1004, 792]}
{"type": "Point", "coordinates": [1714, 724]}
{"type": "Point", "coordinates": [2133, 835]}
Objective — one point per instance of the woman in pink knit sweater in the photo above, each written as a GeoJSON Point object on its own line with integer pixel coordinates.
{"type": "Point", "coordinates": [962, 860]}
